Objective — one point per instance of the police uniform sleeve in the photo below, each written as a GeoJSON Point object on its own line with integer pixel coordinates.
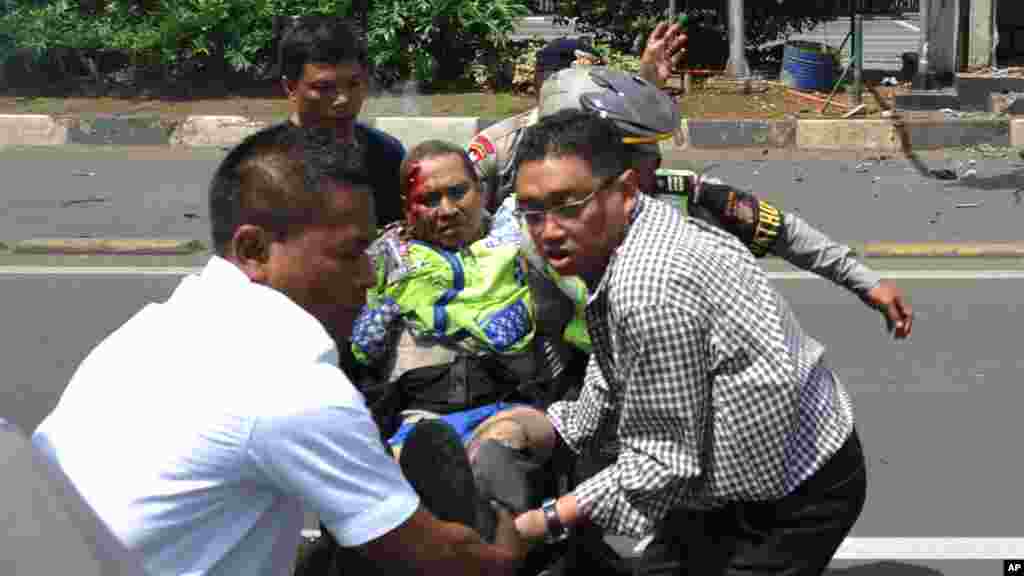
{"type": "Point", "coordinates": [484, 155]}
{"type": "Point", "coordinates": [764, 228]}
{"type": "Point", "coordinates": [373, 330]}
{"type": "Point", "coordinates": [755, 222]}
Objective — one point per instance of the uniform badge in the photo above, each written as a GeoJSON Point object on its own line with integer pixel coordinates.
{"type": "Point", "coordinates": [480, 148]}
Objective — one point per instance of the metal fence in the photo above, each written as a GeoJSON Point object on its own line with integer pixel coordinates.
{"type": "Point", "coordinates": [880, 6]}
{"type": "Point", "coordinates": [544, 6]}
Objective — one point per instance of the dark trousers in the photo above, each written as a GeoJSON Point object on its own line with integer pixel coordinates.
{"type": "Point", "coordinates": [796, 535]}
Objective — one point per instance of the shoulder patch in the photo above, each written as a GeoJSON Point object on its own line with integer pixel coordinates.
{"type": "Point", "coordinates": [480, 148]}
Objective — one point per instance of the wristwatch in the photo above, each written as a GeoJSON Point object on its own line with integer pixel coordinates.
{"type": "Point", "coordinates": [556, 532]}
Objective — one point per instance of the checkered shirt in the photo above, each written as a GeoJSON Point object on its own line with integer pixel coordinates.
{"type": "Point", "coordinates": [702, 386]}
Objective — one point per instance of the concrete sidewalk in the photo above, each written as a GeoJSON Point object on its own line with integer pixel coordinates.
{"type": "Point", "coordinates": [836, 135]}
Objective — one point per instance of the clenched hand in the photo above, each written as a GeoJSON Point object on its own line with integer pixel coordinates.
{"type": "Point", "coordinates": [888, 298]}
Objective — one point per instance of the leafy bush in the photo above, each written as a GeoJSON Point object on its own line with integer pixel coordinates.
{"type": "Point", "coordinates": [436, 41]}
{"type": "Point", "coordinates": [524, 57]}
{"type": "Point", "coordinates": [618, 59]}
{"type": "Point", "coordinates": [220, 38]}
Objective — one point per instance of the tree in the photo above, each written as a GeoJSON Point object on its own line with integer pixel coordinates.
{"type": "Point", "coordinates": [624, 24]}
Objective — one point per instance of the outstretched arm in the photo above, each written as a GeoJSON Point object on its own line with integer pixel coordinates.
{"type": "Point", "coordinates": [764, 228]}
{"type": "Point", "coordinates": [806, 247]}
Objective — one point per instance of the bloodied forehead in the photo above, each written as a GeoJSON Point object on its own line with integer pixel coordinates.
{"type": "Point", "coordinates": [436, 173]}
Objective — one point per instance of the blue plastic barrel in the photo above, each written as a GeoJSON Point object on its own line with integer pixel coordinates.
{"type": "Point", "coordinates": [807, 66]}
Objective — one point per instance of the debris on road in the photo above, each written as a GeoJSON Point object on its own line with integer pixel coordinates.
{"type": "Point", "coordinates": [86, 200]}
{"type": "Point", "coordinates": [191, 215]}
{"type": "Point", "coordinates": [858, 110]}
{"type": "Point", "coordinates": [83, 173]}
{"type": "Point", "coordinates": [969, 204]}
{"type": "Point", "coordinates": [971, 171]}
{"type": "Point", "coordinates": [944, 174]}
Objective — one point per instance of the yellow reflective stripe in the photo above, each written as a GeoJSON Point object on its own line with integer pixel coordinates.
{"type": "Point", "coordinates": [646, 139]}
{"type": "Point", "coordinates": [768, 223]}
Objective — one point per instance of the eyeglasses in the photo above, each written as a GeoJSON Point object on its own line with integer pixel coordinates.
{"type": "Point", "coordinates": [562, 213]}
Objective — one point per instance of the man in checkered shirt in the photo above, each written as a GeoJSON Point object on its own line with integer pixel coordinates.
{"type": "Point", "coordinates": [732, 441]}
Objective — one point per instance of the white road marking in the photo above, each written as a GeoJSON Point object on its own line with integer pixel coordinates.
{"type": "Point", "coordinates": [930, 548]}
{"type": "Point", "coordinates": [910, 548]}
{"type": "Point", "coordinates": [794, 275]}
{"type": "Point", "coordinates": [907, 25]}
{"type": "Point", "coordinates": [918, 275]}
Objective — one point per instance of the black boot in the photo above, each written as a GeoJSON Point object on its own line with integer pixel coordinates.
{"type": "Point", "coordinates": [434, 461]}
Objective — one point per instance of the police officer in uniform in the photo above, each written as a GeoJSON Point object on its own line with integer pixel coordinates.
{"type": "Point", "coordinates": [493, 149]}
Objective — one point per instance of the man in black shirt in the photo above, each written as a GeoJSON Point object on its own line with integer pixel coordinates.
{"type": "Point", "coordinates": [325, 71]}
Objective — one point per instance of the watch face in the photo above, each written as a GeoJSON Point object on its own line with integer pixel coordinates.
{"type": "Point", "coordinates": [555, 530]}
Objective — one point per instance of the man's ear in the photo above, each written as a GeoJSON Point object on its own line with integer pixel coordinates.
{"type": "Point", "coordinates": [289, 87]}
{"type": "Point", "coordinates": [250, 249]}
{"type": "Point", "coordinates": [630, 184]}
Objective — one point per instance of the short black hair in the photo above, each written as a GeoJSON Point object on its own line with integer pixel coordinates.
{"type": "Point", "coordinates": [275, 179]}
{"type": "Point", "coordinates": [595, 140]}
{"type": "Point", "coordinates": [323, 40]}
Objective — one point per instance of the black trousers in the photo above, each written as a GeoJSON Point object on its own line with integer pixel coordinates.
{"type": "Point", "coordinates": [796, 535]}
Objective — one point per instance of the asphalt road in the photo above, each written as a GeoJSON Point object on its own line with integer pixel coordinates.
{"type": "Point", "coordinates": [939, 415]}
{"type": "Point", "coordinates": [162, 192]}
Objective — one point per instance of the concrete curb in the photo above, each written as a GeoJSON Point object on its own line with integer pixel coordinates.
{"type": "Point", "coordinates": [934, 135]}
{"type": "Point", "coordinates": [874, 135]}
{"type": "Point", "coordinates": [741, 133]}
{"type": "Point", "coordinates": [31, 130]}
{"type": "Point", "coordinates": [204, 131]}
{"type": "Point", "coordinates": [113, 246]}
{"type": "Point", "coordinates": [120, 131]}
{"type": "Point", "coordinates": [877, 135]}
{"type": "Point", "coordinates": [943, 249]}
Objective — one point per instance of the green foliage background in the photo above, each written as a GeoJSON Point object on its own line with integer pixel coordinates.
{"type": "Point", "coordinates": [176, 38]}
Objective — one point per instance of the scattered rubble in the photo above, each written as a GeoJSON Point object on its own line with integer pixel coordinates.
{"type": "Point", "coordinates": [86, 200]}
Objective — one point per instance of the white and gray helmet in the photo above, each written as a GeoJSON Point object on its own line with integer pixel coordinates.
{"type": "Point", "coordinates": [646, 114]}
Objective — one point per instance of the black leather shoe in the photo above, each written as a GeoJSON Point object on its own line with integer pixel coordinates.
{"type": "Point", "coordinates": [434, 461]}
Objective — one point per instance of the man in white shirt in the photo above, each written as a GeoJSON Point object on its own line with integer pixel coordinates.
{"type": "Point", "coordinates": [201, 428]}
